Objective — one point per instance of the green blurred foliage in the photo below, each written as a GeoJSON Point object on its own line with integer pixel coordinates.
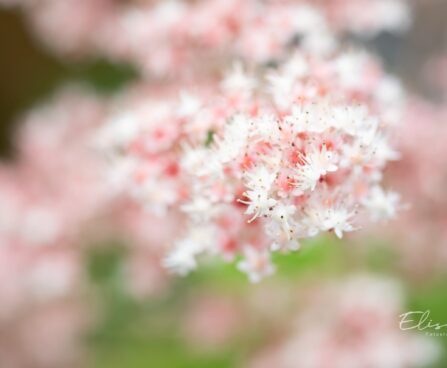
{"type": "Point", "coordinates": [137, 334]}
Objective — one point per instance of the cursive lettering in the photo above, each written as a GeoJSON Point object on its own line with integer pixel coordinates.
{"type": "Point", "coordinates": [419, 320]}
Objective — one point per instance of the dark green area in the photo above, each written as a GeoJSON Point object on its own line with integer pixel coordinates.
{"type": "Point", "coordinates": [29, 74]}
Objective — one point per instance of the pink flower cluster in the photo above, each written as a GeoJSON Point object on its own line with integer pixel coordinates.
{"type": "Point", "coordinates": [171, 37]}
{"type": "Point", "coordinates": [262, 160]}
{"type": "Point", "coordinates": [421, 231]}
{"type": "Point", "coordinates": [46, 196]}
{"type": "Point", "coordinates": [245, 166]}
{"type": "Point", "coordinates": [360, 329]}
{"type": "Point", "coordinates": [53, 203]}
{"type": "Point", "coordinates": [188, 162]}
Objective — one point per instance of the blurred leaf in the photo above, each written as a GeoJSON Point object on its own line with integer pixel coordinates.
{"type": "Point", "coordinates": [104, 262]}
{"type": "Point", "coordinates": [433, 297]}
{"type": "Point", "coordinates": [209, 138]}
{"type": "Point", "coordinates": [104, 76]}
{"type": "Point", "coordinates": [322, 255]}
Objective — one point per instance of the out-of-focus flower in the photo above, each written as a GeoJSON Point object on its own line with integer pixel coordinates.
{"type": "Point", "coordinates": [360, 328]}
{"type": "Point", "coordinates": [381, 15]}
{"type": "Point", "coordinates": [44, 337]}
{"type": "Point", "coordinates": [53, 203]}
{"type": "Point", "coordinates": [435, 72]}
{"type": "Point", "coordinates": [251, 164]}
{"type": "Point", "coordinates": [421, 232]}
{"type": "Point", "coordinates": [210, 321]}
{"type": "Point", "coordinates": [47, 196]}
{"type": "Point", "coordinates": [291, 143]}
{"type": "Point", "coordinates": [172, 37]}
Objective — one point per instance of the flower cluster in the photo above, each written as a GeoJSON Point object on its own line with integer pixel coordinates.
{"type": "Point", "coordinates": [244, 166]}
{"type": "Point", "coordinates": [259, 161]}
{"type": "Point", "coordinates": [171, 37]}
{"type": "Point", "coordinates": [360, 329]}
{"type": "Point", "coordinates": [421, 232]}
{"type": "Point", "coordinates": [53, 203]}
{"type": "Point", "coordinates": [298, 150]}
{"type": "Point", "coordinates": [47, 196]}
{"type": "Point", "coordinates": [190, 162]}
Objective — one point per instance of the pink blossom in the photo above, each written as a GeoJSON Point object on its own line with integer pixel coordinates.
{"type": "Point", "coordinates": [359, 329]}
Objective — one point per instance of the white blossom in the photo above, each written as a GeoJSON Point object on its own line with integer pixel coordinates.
{"type": "Point", "coordinates": [256, 264]}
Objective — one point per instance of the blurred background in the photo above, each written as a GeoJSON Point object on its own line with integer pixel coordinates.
{"type": "Point", "coordinates": [214, 317]}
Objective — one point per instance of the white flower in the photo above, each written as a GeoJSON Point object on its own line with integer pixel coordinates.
{"type": "Point", "coordinates": [189, 104]}
{"type": "Point", "coordinates": [156, 197]}
{"type": "Point", "coordinates": [265, 128]}
{"type": "Point", "coordinates": [119, 131]}
{"type": "Point", "coordinates": [256, 264]}
{"type": "Point", "coordinates": [234, 138]}
{"type": "Point", "coordinates": [308, 19]}
{"type": "Point", "coordinates": [182, 259]}
{"type": "Point", "coordinates": [349, 66]}
{"type": "Point", "coordinates": [280, 87]}
{"type": "Point", "coordinates": [356, 154]}
{"type": "Point", "coordinates": [296, 67]}
{"type": "Point", "coordinates": [333, 218]}
{"type": "Point", "coordinates": [283, 215]}
{"type": "Point", "coordinates": [283, 212]}
{"type": "Point", "coordinates": [338, 221]}
{"type": "Point", "coordinates": [283, 244]}
{"type": "Point", "coordinates": [383, 151]}
{"type": "Point", "coordinates": [320, 43]}
{"type": "Point", "coordinates": [259, 203]}
{"type": "Point", "coordinates": [237, 80]}
{"type": "Point", "coordinates": [199, 207]}
{"type": "Point", "coordinates": [260, 178]}
{"type": "Point", "coordinates": [314, 165]}
{"type": "Point", "coordinates": [394, 15]}
{"type": "Point", "coordinates": [354, 120]}
{"type": "Point", "coordinates": [169, 11]}
{"type": "Point", "coordinates": [307, 177]}
{"type": "Point", "coordinates": [390, 92]}
{"type": "Point", "coordinates": [382, 205]}
{"type": "Point", "coordinates": [198, 161]}
{"type": "Point", "coordinates": [314, 118]}
{"type": "Point", "coordinates": [282, 229]}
